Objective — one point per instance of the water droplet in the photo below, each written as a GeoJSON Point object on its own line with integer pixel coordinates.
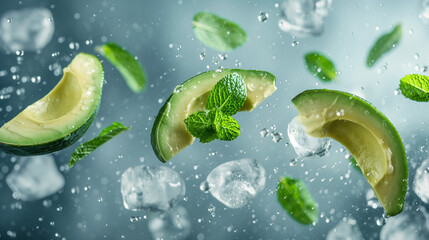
{"type": "Point", "coordinates": [205, 187]}
{"type": "Point", "coordinates": [223, 56]}
{"type": "Point", "coordinates": [212, 210]}
{"type": "Point", "coordinates": [380, 221]}
{"type": "Point", "coordinates": [276, 136]}
{"type": "Point", "coordinates": [237, 63]}
{"type": "Point", "coordinates": [293, 162]}
{"type": "Point", "coordinates": [135, 218]}
{"type": "Point", "coordinates": [263, 17]}
{"type": "Point", "coordinates": [264, 132]}
{"type": "Point", "coordinates": [178, 88]}
{"type": "Point", "coordinates": [202, 55]}
{"type": "Point", "coordinates": [294, 43]}
{"type": "Point", "coordinates": [397, 91]}
{"type": "Point", "coordinates": [47, 203]}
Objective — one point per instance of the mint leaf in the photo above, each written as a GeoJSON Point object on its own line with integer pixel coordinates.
{"type": "Point", "coordinates": [384, 44]}
{"type": "Point", "coordinates": [218, 33]}
{"type": "Point", "coordinates": [228, 95]}
{"type": "Point", "coordinates": [105, 135]}
{"type": "Point", "coordinates": [127, 65]}
{"type": "Point", "coordinates": [415, 87]}
{"type": "Point", "coordinates": [200, 125]}
{"type": "Point", "coordinates": [320, 66]}
{"type": "Point", "coordinates": [294, 196]}
{"type": "Point", "coordinates": [227, 128]}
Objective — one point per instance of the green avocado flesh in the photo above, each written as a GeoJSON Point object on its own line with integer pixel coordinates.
{"type": "Point", "coordinates": [366, 133]}
{"type": "Point", "coordinates": [169, 134]}
{"type": "Point", "coordinates": [62, 116]}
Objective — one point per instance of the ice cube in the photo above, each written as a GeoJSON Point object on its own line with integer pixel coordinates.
{"type": "Point", "coordinates": [173, 224]}
{"type": "Point", "coordinates": [26, 29]}
{"type": "Point", "coordinates": [234, 183]}
{"type": "Point", "coordinates": [35, 178]}
{"type": "Point", "coordinates": [305, 145]}
{"type": "Point", "coordinates": [153, 188]}
{"type": "Point", "coordinates": [303, 18]}
{"type": "Point", "coordinates": [345, 230]}
{"type": "Point", "coordinates": [421, 181]}
{"type": "Point", "coordinates": [411, 225]}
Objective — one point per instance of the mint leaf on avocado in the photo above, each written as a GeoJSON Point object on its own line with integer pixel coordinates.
{"type": "Point", "coordinates": [384, 44]}
{"type": "Point", "coordinates": [415, 87]}
{"type": "Point", "coordinates": [320, 66]}
{"type": "Point", "coordinates": [227, 128]}
{"type": "Point", "coordinates": [218, 33]}
{"type": "Point", "coordinates": [228, 95]}
{"type": "Point", "coordinates": [127, 65]}
{"type": "Point", "coordinates": [224, 100]}
{"type": "Point", "coordinates": [105, 135]}
{"type": "Point", "coordinates": [294, 196]}
{"type": "Point", "coordinates": [200, 125]}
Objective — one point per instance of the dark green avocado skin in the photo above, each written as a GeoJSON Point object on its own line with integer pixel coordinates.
{"type": "Point", "coordinates": [49, 147]}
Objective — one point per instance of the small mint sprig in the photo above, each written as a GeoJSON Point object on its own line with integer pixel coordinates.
{"type": "Point", "coordinates": [320, 66]}
{"type": "Point", "coordinates": [384, 44]}
{"type": "Point", "coordinates": [295, 198]}
{"type": "Point", "coordinates": [86, 148]}
{"type": "Point", "coordinates": [415, 87]}
{"type": "Point", "coordinates": [215, 122]}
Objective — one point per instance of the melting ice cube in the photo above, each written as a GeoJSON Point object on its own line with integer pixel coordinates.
{"type": "Point", "coordinates": [26, 29]}
{"type": "Point", "coordinates": [234, 183]}
{"type": "Point", "coordinates": [35, 178]}
{"type": "Point", "coordinates": [421, 181]}
{"type": "Point", "coordinates": [305, 145]}
{"type": "Point", "coordinates": [411, 225]}
{"type": "Point", "coordinates": [173, 224]}
{"type": "Point", "coordinates": [155, 188]}
{"type": "Point", "coordinates": [345, 230]}
{"type": "Point", "coordinates": [304, 17]}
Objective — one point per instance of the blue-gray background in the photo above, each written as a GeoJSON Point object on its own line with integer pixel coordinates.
{"type": "Point", "coordinates": [147, 28]}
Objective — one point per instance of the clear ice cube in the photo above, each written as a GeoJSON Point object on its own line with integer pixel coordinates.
{"type": "Point", "coordinates": [303, 18]}
{"type": "Point", "coordinates": [345, 230]}
{"type": "Point", "coordinates": [421, 181]}
{"type": "Point", "coordinates": [234, 183]}
{"type": "Point", "coordinates": [173, 224]}
{"type": "Point", "coordinates": [305, 145]}
{"type": "Point", "coordinates": [34, 178]}
{"type": "Point", "coordinates": [27, 29]}
{"type": "Point", "coordinates": [153, 188]}
{"type": "Point", "coordinates": [410, 225]}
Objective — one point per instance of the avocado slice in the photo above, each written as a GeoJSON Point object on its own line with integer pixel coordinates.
{"type": "Point", "coordinates": [366, 133]}
{"type": "Point", "coordinates": [169, 134]}
{"type": "Point", "coordinates": [61, 117]}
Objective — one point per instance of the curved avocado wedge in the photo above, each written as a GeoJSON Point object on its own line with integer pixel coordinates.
{"type": "Point", "coordinates": [169, 134]}
{"type": "Point", "coordinates": [366, 133]}
{"type": "Point", "coordinates": [62, 116]}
